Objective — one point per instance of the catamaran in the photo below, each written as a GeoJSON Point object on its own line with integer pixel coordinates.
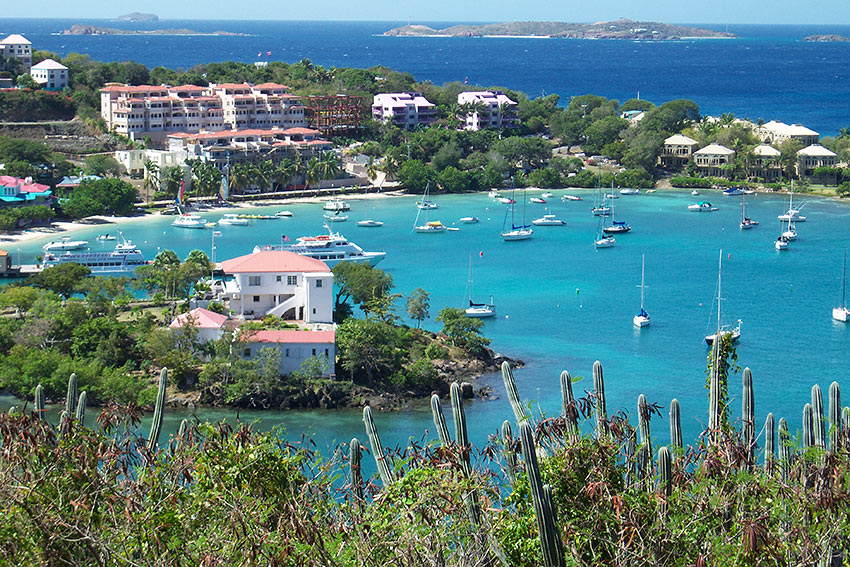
{"type": "Point", "coordinates": [722, 330]}
{"type": "Point", "coordinates": [642, 318]}
{"type": "Point", "coordinates": [478, 310]}
{"type": "Point", "coordinates": [841, 313]}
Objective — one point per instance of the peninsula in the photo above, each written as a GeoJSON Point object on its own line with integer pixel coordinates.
{"type": "Point", "coordinates": [81, 29]}
{"type": "Point", "coordinates": [618, 29]}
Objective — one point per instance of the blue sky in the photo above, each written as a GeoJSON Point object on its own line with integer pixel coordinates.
{"type": "Point", "coordinates": [668, 11]}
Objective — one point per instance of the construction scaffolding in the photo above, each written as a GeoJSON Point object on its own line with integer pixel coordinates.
{"type": "Point", "coordinates": [336, 115]}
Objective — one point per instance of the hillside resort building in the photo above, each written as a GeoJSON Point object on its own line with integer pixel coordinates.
{"type": "Point", "coordinates": [490, 109]}
{"type": "Point", "coordinates": [404, 110]}
{"type": "Point", "coordinates": [17, 47]}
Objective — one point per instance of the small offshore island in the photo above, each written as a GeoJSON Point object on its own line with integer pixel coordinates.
{"type": "Point", "coordinates": [83, 29]}
{"type": "Point", "coordinates": [827, 38]}
{"type": "Point", "coordinates": [617, 29]}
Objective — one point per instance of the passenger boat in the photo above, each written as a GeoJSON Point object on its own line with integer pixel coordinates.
{"type": "Point", "coordinates": [331, 248]}
{"type": "Point", "coordinates": [126, 257]}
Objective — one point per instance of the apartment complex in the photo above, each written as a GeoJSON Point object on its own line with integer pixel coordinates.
{"type": "Point", "coordinates": [50, 74]}
{"type": "Point", "coordinates": [17, 47]}
{"type": "Point", "coordinates": [775, 132]}
{"type": "Point", "coordinates": [405, 110]}
{"type": "Point", "coordinates": [765, 163]}
{"type": "Point", "coordinates": [156, 111]}
{"type": "Point", "coordinates": [813, 157]}
{"type": "Point", "coordinates": [711, 159]}
{"type": "Point", "coordinates": [489, 109]}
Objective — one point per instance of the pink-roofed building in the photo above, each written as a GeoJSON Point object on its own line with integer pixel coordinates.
{"type": "Point", "coordinates": [15, 192]}
{"type": "Point", "coordinates": [210, 325]}
{"type": "Point", "coordinates": [283, 284]}
{"type": "Point", "coordinates": [406, 110]}
{"type": "Point", "coordinates": [491, 109]}
{"type": "Point", "coordinates": [294, 346]}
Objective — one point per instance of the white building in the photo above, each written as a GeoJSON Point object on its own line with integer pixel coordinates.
{"type": "Point", "coordinates": [17, 47]}
{"type": "Point", "coordinates": [283, 284]}
{"type": "Point", "coordinates": [50, 75]}
{"type": "Point", "coordinates": [404, 110]}
{"type": "Point", "coordinates": [678, 151]}
{"type": "Point", "coordinates": [775, 132]}
{"type": "Point", "coordinates": [711, 159]}
{"type": "Point", "coordinates": [813, 157]}
{"type": "Point", "coordinates": [210, 324]}
{"type": "Point", "coordinates": [295, 347]}
{"type": "Point", "coordinates": [495, 110]}
{"type": "Point", "coordinates": [134, 160]}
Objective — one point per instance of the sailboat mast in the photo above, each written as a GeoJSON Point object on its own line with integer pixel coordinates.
{"type": "Point", "coordinates": [470, 277]}
{"type": "Point", "coordinates": [719, 293]}
{"type": "Point", "coordinates": [642, 287]}
{"type": "Point", "coordinates": [844, 280]}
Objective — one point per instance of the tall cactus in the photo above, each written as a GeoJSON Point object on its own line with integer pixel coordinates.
{"type": "Point", "coordinates": [715, 394]}
{"type": "Point", "coordinates": [354, 454]}
{"type": "Point", "coordinates": [834, 417]}
{"type": "Point", "coordinates": [381, 458]}
{"type": "Point", "coordinates": [520, 412]}
{"type": "Point", "coordinates": [748, 417]}
{"type": "Point", "coordinates": [39, 402]}
{"type": "Point", "coordinates": [769, 440]}
{"type": "Point", "coordinates": [550, 540]}
{"type": "Point", "coordinates": [156, 422]}
{"type": "Point", "coordinates": [183, 430]}
{"type": "Point", "coordinates": [71, 396]}
{"type": "Point", "coordinates": [645, 439]}
{"type": "Point", "coordinates": [81, 408]}
{"type": "Point", "coordinates": [675, 428]}
{"type": "Point", "coordinates": [461, 433]}
{"type": "Point", "coordinates": [440, 421]}
{"type": "Point", "coordinates": [600, 406]}
{"type": "Point", "coordinates": [817, 410]}
{"type": "Point", "coordinates": [508, 449]}
{"type": "Point", "coordinates": [665, 478]}
{"type": "Point", "coordinates": [784, 450]}
{"type": "Point", "coordinates": [809, 434]}
{"type": "Point", "coordinates": [845, 424]}
{"type": "Point", "coordinates": [569, 402]}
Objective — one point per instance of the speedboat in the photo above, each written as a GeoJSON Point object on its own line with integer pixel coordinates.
{"type": "Point", "coordinates": [233, 219]}
{"type": "Point", "coordinates": [604, 242]}
{"type": "Point", "coordinates": [427, 205]}
{"type": "Point", "coordinates": [702, 207]}
{"type": "Point", "coordinates": [283, 214]}
{"type": "Point", "coordinates": [734, 331]}
{"type": "Point", "coordinates": [617, 227]}
{"type": "Point", "coordinates": [629, 191]}
{"type": "Point", "coordinates": [537, 200]}
{"type": "Point", "coordinates": [546, 195]}
{"type": "Point", "coordinates": [469, 220]}
{"type": "Point", "coordinates": [331, 248]}
{"type": "Point", "coordinates": [733, 192]}
{"type": "Point", "coordinates": [336, 205]}
{"type": "Point", "coordinates": [781, 243]}
{"type": "Point", "coordinates": [336, 217]}
{"type": "Point", "coordinates": [548, 220]}
{"type": "Point", "coordinates": [187, 220]}
{"type": "Point", "coordinates": [64, 244]}
{"type": "Point", "coordinates": [571, 198]}
{"type": "Point", "coordinates": [369, 223]}
{"type": "Point", "coordinates": [505, 200]}
{"type": "Point", "coordinates": [694, 192]}
{"type": "Point", "coordinates": [430, 227]}
{"type": "Point", "coordinates": [106, 236]}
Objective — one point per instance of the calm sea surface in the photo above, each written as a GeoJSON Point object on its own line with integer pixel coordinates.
{"type": "Point", "coordinates": [562, 304]}
{"type": "Point", "coordinates": [767, 73]}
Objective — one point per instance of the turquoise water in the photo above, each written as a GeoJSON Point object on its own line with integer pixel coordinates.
{"type": "Point", "coordinates": [562, 304]}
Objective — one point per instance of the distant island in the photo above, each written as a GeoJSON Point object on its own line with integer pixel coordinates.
{"type": "Point", "coordinates": [137, 17]}
{"type": "Point", "coordinates": [79, 29]}
{"type": "Point", "coordinates": [619, 29]}
{"type": "Point", "coordinates": [827, 38]}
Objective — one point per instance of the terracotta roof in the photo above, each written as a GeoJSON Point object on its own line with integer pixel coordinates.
{"type": "Point", "coordinates": [233, 86]}
{"type": "Point", "coordinates": [188, 88]}
{"type": "Point", "coordinates": [3, 253]}
{"type": "Point", "coordinates": [322, 337]}
{"type": "Point", "coordinates": [201, 318]}
{"type": "Point", "coordinates": [273, 261]}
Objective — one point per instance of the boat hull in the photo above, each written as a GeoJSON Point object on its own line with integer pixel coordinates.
{"type": "Point", "coordinates": [841, 314]}
{"type": "Point", "coordinates": [429, 229]}
{"type": "Point", "coordinates": [517, 235]}
{"type": "Point", "coordinates": [370, 223]}
{"type": "Point", "coordinates": [736, 334]}
{"type": "Point", "coordinates": [480, 312]}
{"type": "Point", "coordinates": [640, 321]}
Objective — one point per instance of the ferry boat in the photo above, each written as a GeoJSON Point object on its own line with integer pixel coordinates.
{"type": "Point", "coordinates": [336, 205]}
{"type": "Point", "coordinates": [64, 244]}
{"type": "Point", "coordinates": [187, 220]}
{"type": "Point", "coordinates": [125, 258]}
{"type": "Point", "coordinates": [331, 248]}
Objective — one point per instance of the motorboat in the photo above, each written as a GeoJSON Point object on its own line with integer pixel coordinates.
{"type": "Point", "coordinates": [694, 192]}
{"type": "Point", "coordinates": [702, 207]}
{"type": "Point", "coordinates": [570, 198]}
{"type": "Point", "coordinates": [733, 191]}
{"type": "Point", "coordinates": [642, 318]}
{"type": "Point", "coordinates": [493, 193]}
{"type": "Point", "coordinates": [335, 217]}
{"type": "Point", "coordinates": [629, 191]}
{"type": "Point", "coordinates": [105, 237]}
{"type": "Point", "coordinates": [537, 200]}
{"type": "Point", "coordinates": [126, 257]}
{"type": "Point", "coordinates": [331, 248]}
{"type": "Point", "coordinates": [781, 243]}
{"type": "Point", "coordinates": [283, 214]}
{"type": "Point", "coordinates": [430, 227]}
{"type": "Point", "coordinates": [841, 313]}
{"type": "Point", "coordinates": [187, 220]}
{"type": "Point", "coordinates": [370, 223]}
{"type": "Point", "coordinates": [469, 220]}
{"type": "Point", "coordinates": [64, 244]}
{"type": "Point", "coordinates": [548, 220]}
{"type": "Point", "coordinates": [335, 205]}
{"type": "Point", "coordinates": [505, 200]}
{"type": "Point", "coordinates": [233, 219]}
{"type": "Point", "coordinates": [546, 195]}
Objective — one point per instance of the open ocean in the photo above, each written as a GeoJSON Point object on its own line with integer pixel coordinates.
{"type": "Point", "coordinates": [768, 72]}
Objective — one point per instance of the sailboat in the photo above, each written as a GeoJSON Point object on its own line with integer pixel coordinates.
{"type": "Point", "coordinates": [617, 227]}
{"type": "Point", "coordinates": [842, 313]}
{"type": "Point", "coordinates": [521, 232]}
{"type": "Point", "coordinates": [722, 330]}
{"type": "Point", "coordinates": [425, 203]}
{"type": "Point", "coordinates": [603, 240]}
{"type": "Point", "coordinates": [367, 222]}
{"type": "Point", "coordinates": [601, 208]}
{"type": "Point", "coordinates": [642, 318]}
{"type": "Point", "coordinates": [746, 222]}
{"type": "Point", "coordinates": [792, 214]}
{"type": "Point", "coordinates": [427, 227]}
{"type": "Point", "coordinates": [478, 310]}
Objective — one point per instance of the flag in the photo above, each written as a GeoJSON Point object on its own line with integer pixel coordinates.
{"type": "Point", "coordinates": [216, 233]}
{"type": "Point", "coordinates": [269, 53]}
{"type": "Point", "coordinates": [284, 238]}
{"type": "Point", "coordinates": [259, 54]}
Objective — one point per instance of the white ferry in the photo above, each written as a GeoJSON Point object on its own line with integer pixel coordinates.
{"type": "Point", "coordinates": [331, 248]}
{"type": "Point", "coordinates": [125, 258]}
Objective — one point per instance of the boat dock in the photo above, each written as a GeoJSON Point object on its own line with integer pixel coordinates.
{"type": "Point", "coordinates": [22, 271]}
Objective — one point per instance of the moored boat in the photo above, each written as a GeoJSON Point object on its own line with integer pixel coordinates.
{"type": "Point", "coordinates": [126, 257]}
{"type": "Point", "coordinates": [331, 248]}
{"type": "Point", "coordinates": [336, 205]}
{"type": "Point", "coordinates": [64, 244]}
{"type": "Point", "coordinates": [702, 207]}
{"type": "Point", "coordinates": [187, 220]}
{"type": "Point", "coordinates": [548, 220]}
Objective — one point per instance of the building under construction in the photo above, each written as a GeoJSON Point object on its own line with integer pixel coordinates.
{"type": "Point", "coordinates": [336, 115]}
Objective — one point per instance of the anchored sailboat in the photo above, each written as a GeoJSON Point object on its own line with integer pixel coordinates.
{"type": "Point", "coordinates": [521, 232]}
{"type": "Point", "coordinates": [427, 227]}
{"type": "Point", "coordinates": [841, 313]}
{"type": "Point", "coordinates": [722, 330]}
{"type": "Point", "coordinates": [478, 310]}
{"type": "Point", "coordinates": [642, 318]}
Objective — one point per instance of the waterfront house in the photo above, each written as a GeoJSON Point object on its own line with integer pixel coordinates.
{"type": "Point", "coordinates": [678, 151]}
{"type": "Point", "coordinates": [15, 192]}
{"type": "Point", "coordinates": [488, 109]}
{"type": "Point", "coordinates": [711, 159]}
{"type": "Point", "coordinates": [765, 163]}
{"type": "Point", "coordinates": [405, 110]}
{"type": "Point", "coordinates": [294, 346]}
{"type": "Point", "coordinates": [813, 157]}
{"type": "Point", "coordinates": [283, 284]}
{"type": "Point", "coordinates": [17, 47]}
{"type": "Point", "coordinates": [210, 325]}
{"type": "Point", "coordinates": [51, 75]}
{"type": "Point", "coordinates": [775, 132]}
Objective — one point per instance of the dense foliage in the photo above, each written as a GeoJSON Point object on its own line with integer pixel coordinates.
{"type": "Point", "coordinates": [26, 105]}
{"type": "Point", "coordinates": [100, 197]}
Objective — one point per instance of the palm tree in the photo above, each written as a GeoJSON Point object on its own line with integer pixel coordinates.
{"type": "Point", "coordinates": [329, 166]}
{"type": "Point", "coordinates": [390, 166]}
{"type": "Point", "coordinates": [283, 172]}
{"type": "Point", "coordinates": [264, 173]}
{"type": "Point", "coordinates": [299, 167]}
{"type": "Point", "coordinates": [241, 176]}
{"type": "Point", "coordinates": [372, 170]}
{"type": "Point", "coordinates": [313, 171]}
{"type": "Point", "coordinates": [151, 181]}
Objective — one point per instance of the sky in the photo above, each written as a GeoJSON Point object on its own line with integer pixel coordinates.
{"type": "Point", "coordinates": [666, 11]}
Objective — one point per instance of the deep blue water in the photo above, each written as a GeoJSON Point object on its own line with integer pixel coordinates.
{"type": "Point", "coordinates": [767, 73]}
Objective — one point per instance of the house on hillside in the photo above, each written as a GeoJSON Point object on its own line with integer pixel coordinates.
{"type": "Point", "coordinates": [711, 159]}
{"type": "Point", "coordinates": [17, 47]}
{"type": "Point", "coordinates": [490, 109]}
{"type": "Point", "coordinates": [16, 192]}
{"type": "Point", "coordinates": [813, 157]}
{"type": "Point", "coordinates": [765, 163]}
{"type": "Point", "coordinates": [678, 151]}
{"type": "Point", "coordinates": [51, 75]}
{"type": "Point", "coordinates": [405, 110]}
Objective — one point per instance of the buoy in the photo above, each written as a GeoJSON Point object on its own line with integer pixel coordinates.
{"type": "Point", "coordinates": [507, 316]}
{"type": "Point", "coordinates": [700, 303]}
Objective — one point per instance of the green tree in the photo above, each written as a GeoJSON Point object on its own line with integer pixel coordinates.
{"type": "Point", "coordinates": [463, 331]}
{"type": "Point", "coordinates": [368, 350]}
{"type": "Point", "coordinates": [101, 197]}
{"type": "Point", "coordinates": [103, 165]}
{"type": "Point", "coordinates": [64, 279]}
{"type": "Point", "coordinates": [414, 175]}
{"type": "Point", "coordinates": [418, 305]}
{"type": "Point", "coordinates": [360, 283]}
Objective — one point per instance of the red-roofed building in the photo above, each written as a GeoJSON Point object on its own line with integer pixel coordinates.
{"type": "Point", "coordinates": [294, 347]}
{"type": "Point", "coordinates": [279, 283]}
{"type": "Point", "coordinates": [210, 324]}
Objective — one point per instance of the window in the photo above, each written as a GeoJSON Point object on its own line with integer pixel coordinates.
{"type": "Point", "coordinates": [314, 311]}
{"type": "Point", "coordinates": [256, 299]}
{"type": "Point", "coordinates": [287, 353]}
{"type": "Point", "coordinates": [291, 280]}
{"type": "Point", "coordinates": [254, 280]}
{"type": "Point", "coordinates": [246, 352]}
{"type": "Point", "coordinates": [327, 353]}
{"type": "Point", "coordinates": [314, 352]}
{"type": "Point", "coordinates": [278, 278]}
{"type": "Point", "coordinates": [318, 283]}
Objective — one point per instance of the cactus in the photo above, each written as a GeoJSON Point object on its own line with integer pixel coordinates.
{"type": "Point", "coordinates": [549, 495]}
{"type": "Point", "coordinates": [665, 478]}
{"type": "Point", "coordinates": [809, 438]}
{"type": "Point", "coordinates": [631, 460]}
{"type": "Point", "coordinates": [834, 417]}
{"type": "Point", "coordinates": [461, 433]}
{"type": "Point", "coordinates": [845, 423]}
{"type": "Point", "coordinates": [39, 402]}
{"type": "Point", "coordinates": [183, 430]}
{"type": "Point", "coordinates": [570, 410]}
{"type": "Point", "coordinates": [675, 428]}
{"type": "Point", "coordinates": [520, 412]}
{"type": "Point", "coordinates": [440, 420]}
{"type": "Point", "coordinates": [645, 458]}
{"type": "Point", "coordinates": [601, 409]}
{"type": "Point", "coordinates": [71, 395]}
{"type": "Point", "coordinates": [156, 422]}
{"type": "Point", "coordinates": [550, 540]}
{"type": "Point", "coordinates": [81, 408]}
{"type": "Point", "coordinates": [381, 458]}
{"type": "Point", "coordinates": [748, 417]}
{"type": "Point", "coordinates": [354, 454]}
{"type": "Point", "coordinates": [715, 392]}
{"type": "Point", "coordinates": [817, 409]}
{"type": "Point", "coordinates": [64, 422]}
{"type": "Point", "coordinates": [784, 450]}
{"type": "Point", "coordinates": [510, 456]}
{"type": "Point", "coordinates": [769, 439]}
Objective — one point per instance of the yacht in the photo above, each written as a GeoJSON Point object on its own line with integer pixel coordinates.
{"type": "Point", "coordinates": [548, 220]}
{"type": "Point", "coordinates": [702, 207]}
{"type": "Point", "coordinates": [493, 193]}
{"type": "Point", "coordinates": [841, 313]}
{"type": "Point", "coordinates": [64, 244]}
{"type": "Point", "coordinates": [187, 220]}
{"type": "Point", "coordinates": [546, 195]}
{"type": "Point", "coordinates": [781, 243]}
{"type": "Point", "coordinates": [126, 257]}
{"type": "Point", "coordinates": [505, 200]}
{"type": "Point", "coordinates": [283, 214]}
{"type": "Point", "coordinates": [469, 220]}
{"type": "Point", "coordinates": [515, 232]}
{"type": "Point", "coordinates": [478, 310]}
{"type": "Point", "coordinates": [791, 232]}
{"type": "Point", "coordinates": [604, 242]}
{"type": "Point", "coordinates": [331, 248]}
{"type": "Point", "coordinates": [642, 318]}
{"type": "Point", "coordinates": [370, 223]}
{"type": "Point", "coordinates": [694, 192]}
{"type": "Point", "coordinates": [233, 219]}
{"type": "Point", "coordinates": [427, 227]}
{"type": "Point", "coordinates": [746, 222]}
{"type": "Point", "coordinates": [792, 214]}
{"type": "Point", "coordinates": [629, 191]}
{"type": "Point", "coordinates": [733, 191]}
{"type": "Point", "coordinates": [104, 237]}
{"type": "Point", "coordinates": [335, 217]}
{"type": "Point", "coordinates": [336, 205]}
{"type": "Point", "coordinates": [430, 227]}
{"type": "Point", "coordinates": [571, 198]}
